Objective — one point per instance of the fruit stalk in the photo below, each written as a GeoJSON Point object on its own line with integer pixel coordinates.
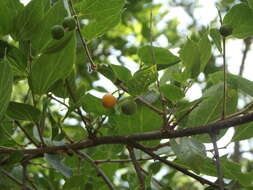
{"type": "Point", "coordinates": [85, 46]}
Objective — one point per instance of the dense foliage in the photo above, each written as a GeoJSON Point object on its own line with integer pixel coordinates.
{"type": "Point", "coordinates": [57, 129]}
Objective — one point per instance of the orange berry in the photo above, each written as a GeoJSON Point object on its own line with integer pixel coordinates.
{"type": "Point", "coordinates": [109, 101]}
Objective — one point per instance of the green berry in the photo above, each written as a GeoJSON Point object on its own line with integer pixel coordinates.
{"type": "Point", "coordinates": [226, 30]}
{"type": "Point", "coordinates": [129, 107]}
{"type": "Point", "coordinates": [57, 32]}
{"type": "Point", "coordinates": [69, 23]}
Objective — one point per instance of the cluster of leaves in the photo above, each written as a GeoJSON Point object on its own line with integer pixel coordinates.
{"type": "Point", "coordinates": [46, 85]}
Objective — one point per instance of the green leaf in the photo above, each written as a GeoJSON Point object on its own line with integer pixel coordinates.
{"type": "Point", "coordinates": [215, 34]}
{"type": "Point", "coordinates": [235, 81]}
{"type": "Point", "coordinates": [27, 21]}
{"type": "Point", "coordinates": [211, 108]}
{"type": "Point", "coordinates": [43, 36]}
{"type": "Point", "coordinates": [102, 16]}
{"type": "Point", "coordinates": [141, 80]}
{"type": "Point", "coordinates": [15, 157]}
{"type": "Point", "coordinates": [6, 78]}
{"type": "Point", "coordinates": [174, 74]}
{"type": "Point", "coordinates": [172, 92]}
{"type": "Point", "coordinates": [107, 71]}
{"type": "Point", "coordinates": [17, 60]}
{"type": "Point", "coordinates": [250, 2]}
{"type": "Point", "coordinates": [15, 56]}
{"type": "Point", "coordinates": [155, 167]}
{"type": "Point", "coordinates": [190, 151]}
{"type": "Point", "coordinates": [51, 67]}
{"type": "Point", "coordinates": [122, 73]}
{"type": "Point", "coordinates": [77, 181]}
{"type": "Point", "coordinates": [231, 170]}
{"type": "Point", "coordinates": [240, 17]}
{"type": "Point", "coordinates": [8, 10]}
{"type": "Point", "coordinates": [60, 89]}
{"type": "Point", "coordinates": [56, 162]}
{"type": "Point", "coordinates": [195, 56]}
{"type": "Point", "coordinates": [204, 50]}
{"type": "Point", "coordinates": [56, 45]}
{"type": "Point", "coordinates": [93, 104]}
{"type": "Point", "coordinates": [55, 129]}
{"type": "Point", "coordinates": [191, 58]}
{"type": "Point", "coordinates": [162, 56]}
{"type": "Point", "coordinates": [143, 120]}
{"type": "Point", "coordinates": [20, 111]}
{"type": "Point", "coordinates": [243, 132]}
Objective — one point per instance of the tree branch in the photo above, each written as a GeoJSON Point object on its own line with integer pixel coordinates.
{"type": "Point", "coordinates": [183, 170]}
{"type": "Point", "coordinates": [85, 46]}
{"type": "Point", "coordinates": [137, 167]}
{"type": "Point", "coordinates": [155, 135]}
{"type": "Point", "coordinates": [224, 79]}
{"type": "Point", "coordinates": [154, 179]}
{"type": "Point", "coordinates": [24, 165]}
{"type": "Point", "coordinates": [15, 179]}
{"type": "Point", "coordinates": [25, 132]}
{"type": "Point", "coordinates": [84, 119]}
{"type": "Point", "coordinates": [247, 43]}
{"type": "Point", "coordinates": [126, 160]}
{"type": "Point", "coordinates": [162, 99]}
{"type": "Point", "coordinates": [213, 136]}
{"type": "Point", "coordinates": [99, 170]}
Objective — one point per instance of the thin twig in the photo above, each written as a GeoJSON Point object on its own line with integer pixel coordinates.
{"type": "Point", "coordinates": [10, 137]}
{"type": "Point", "coordinates": [83, 118]}
{"type": "Point", "coordinates": [126, 160]}
{"type": "Point", "coordinates": [137, 168]}
{"type": "Point", "coordinates": [162, 99]}
{"type": "Point", "coordinates": [154, 179]}
{"type": "Point", "coordinates": [237, 153]}
{"type": "Point", "coordinates": [241, 112]}
{"type": "Point", "coordinates": [247, 43]}
{"type": "Point", "coordinates": [40, 134]}
{"type": "Point", "coordinates": [150, 106]}
{"type": "Point", "coordinates": [62, 103]}
{"type": "Point", "coordinates": [26, 134]}
{"type": "Point", "coordinates": [157, 147]}
{"type": "Point", "coordinates": [30, 60]}
{"type": "Point", "coordinates": [99, 170]}
{"type": "Point", "coordinates": [85, 46]}
{"type": "Point", "coordinates": [24, 165]}
{"type": "Point", "coordinates": [213, 136]}
{"type": "Point", "coordinates": [186, 113]}
{"type": "Point", "coordinates": [171, 164]}
{"type": "Point", "coordinates": [224, 79]}
{"type": "Point", "coordinates": [173, 109]}
{"type": "Point", "coordinates": [55, 99]}
{"type": "Point", "coordinates": [17, 181]}
{"type": "Point", "coordinates": [32, 184]}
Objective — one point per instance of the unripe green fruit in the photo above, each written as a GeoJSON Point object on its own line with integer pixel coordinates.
{"type": "Point", "coordinates": [57, 32]}
{"type": "Point", "coordinates": [69, 23]}
{"type": "Point", "coordinates": [129, 107]}
{"type": "Point", "coordinates": [226, 30]}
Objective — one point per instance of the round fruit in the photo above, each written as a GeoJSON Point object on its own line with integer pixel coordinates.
{"type": "Point", "coordinates": [109, 101]}
{"type": "Point", "coordinates": [69, 23]}
{"type": "Point", "coordinates": [226, 30]}
{"type": "Point", "coordinates": [129, 107]}
{"type": "Point", "coordinates": [57, 32]}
